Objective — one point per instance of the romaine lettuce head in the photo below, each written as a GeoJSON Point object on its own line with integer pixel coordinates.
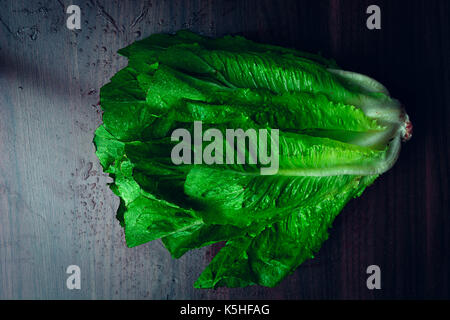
{"type": "Point", "coordinates": [337, 132]}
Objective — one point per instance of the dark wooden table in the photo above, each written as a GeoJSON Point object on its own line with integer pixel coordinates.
{"type": "Point", "coordinates": [55, 207]}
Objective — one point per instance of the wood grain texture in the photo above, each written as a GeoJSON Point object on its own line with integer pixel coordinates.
{"type": "Point", "coordinates": [55, 207]}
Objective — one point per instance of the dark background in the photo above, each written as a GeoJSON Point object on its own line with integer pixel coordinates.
{"type": "Point", "coordinates": [55, 207]}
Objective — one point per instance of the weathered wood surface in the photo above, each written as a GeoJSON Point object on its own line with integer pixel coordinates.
{"type": "Point", "coordinates": [55, 207]}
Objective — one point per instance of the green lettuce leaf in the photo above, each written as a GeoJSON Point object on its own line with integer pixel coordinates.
{"type": "Point", "coordinates": [335, 132]}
